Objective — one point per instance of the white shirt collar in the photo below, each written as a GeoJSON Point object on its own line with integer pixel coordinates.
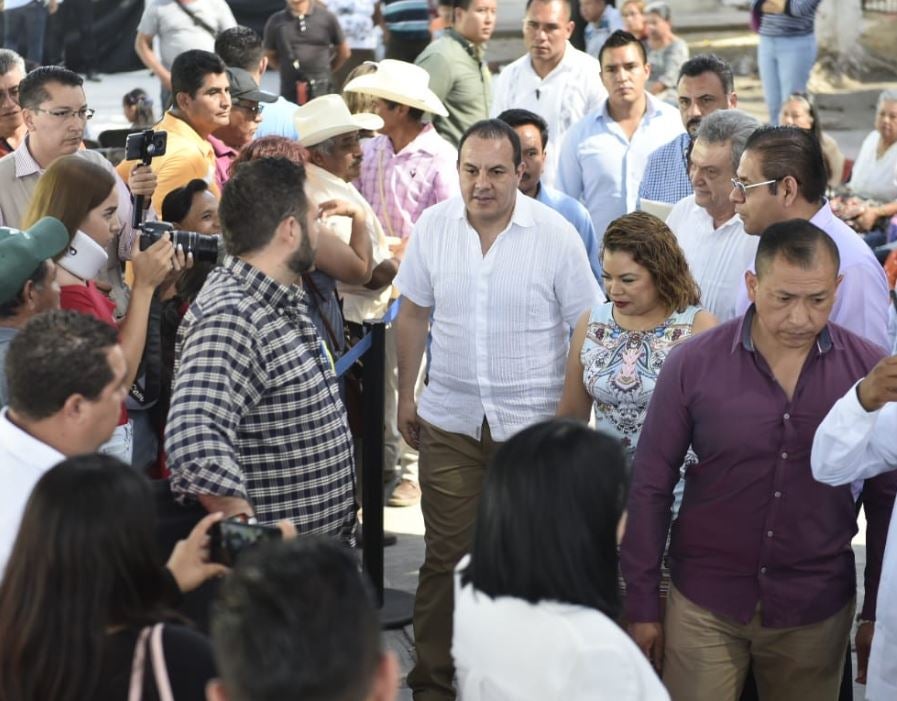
{"type": "Point", "coordinates": [24, 448]}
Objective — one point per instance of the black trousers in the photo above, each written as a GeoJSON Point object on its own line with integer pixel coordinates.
{"type": "Point", "coordinates": [72, 24]}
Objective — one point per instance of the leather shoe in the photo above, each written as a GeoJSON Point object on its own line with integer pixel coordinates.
{"type": "Point", "coordinates": [406, 493]}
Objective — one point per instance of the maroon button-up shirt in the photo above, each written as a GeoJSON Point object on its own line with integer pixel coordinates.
{"type": "Point", "coordinates": [754, 525]}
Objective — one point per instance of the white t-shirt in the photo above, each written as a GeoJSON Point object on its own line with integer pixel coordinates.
{"type": "Point", "coordinates": [507, 649]}
{"type": "Point", "coordinates": [177, 32]}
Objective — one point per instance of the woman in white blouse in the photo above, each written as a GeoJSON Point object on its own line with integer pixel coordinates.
{"type": "Point", "coordinates": [536, 601]}
{"type": "Point", "coordinates": [873, 183]}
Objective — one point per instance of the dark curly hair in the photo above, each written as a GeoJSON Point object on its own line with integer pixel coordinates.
{"type": "Point", "coordinates": [653, 246]}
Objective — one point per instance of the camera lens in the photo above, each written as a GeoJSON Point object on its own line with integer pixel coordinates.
{"type": "Point", "coordinates": [203, 248]}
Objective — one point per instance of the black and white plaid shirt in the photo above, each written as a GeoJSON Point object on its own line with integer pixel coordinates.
{"type": "Point", "coordinates": [255, 411]}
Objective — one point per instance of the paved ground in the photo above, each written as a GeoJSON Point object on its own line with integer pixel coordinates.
{"type": "Point", "coordinates": [846, 114]}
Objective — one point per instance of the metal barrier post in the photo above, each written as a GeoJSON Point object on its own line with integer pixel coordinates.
{"type": "Point", "coordinates": [395, 606]}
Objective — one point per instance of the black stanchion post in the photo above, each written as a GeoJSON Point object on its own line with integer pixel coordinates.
{"type": "Point", "coordinates": [395, 606]}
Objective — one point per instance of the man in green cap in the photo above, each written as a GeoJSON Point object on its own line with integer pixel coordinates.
{"type": "Point", "coordinates": [27, 279]}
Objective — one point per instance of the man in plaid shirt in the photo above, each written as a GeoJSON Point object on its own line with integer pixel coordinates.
{"type": "Point", "coordinates": [256, 425]}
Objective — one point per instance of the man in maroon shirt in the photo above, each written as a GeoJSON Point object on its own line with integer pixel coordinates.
{"type": "Point", "coordinates": [762, 568]}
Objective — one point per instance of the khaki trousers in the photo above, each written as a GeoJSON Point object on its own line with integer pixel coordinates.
{"type": "Point", "coordinates": [452, 470]}
{"type": "Point", "coordinates": [706, 657]}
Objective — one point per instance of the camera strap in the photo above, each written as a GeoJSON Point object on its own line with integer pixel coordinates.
{"type": "Point", "coordinates": [202, 24]}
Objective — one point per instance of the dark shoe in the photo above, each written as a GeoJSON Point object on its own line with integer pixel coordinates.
{"type": "Point", "coordinates": [406, 493]}
{"type": "Point", "coordinates": [389, 538]}
{"type": "Point", "coordinates": [93, 76]}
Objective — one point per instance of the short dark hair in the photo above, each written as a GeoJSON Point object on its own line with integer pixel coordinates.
{"type": "Point", "coordinates": [11, 307]}
{"type": "Point", "coordinates": [493, 129]}
{"type": "Point", "coordinates": [571, 483]}
{"type": "Point", "coordinates": [33, 88]}
{"type": "Point", "coordinates": [518, 117]}
{"type": "Point", "coordinates": [259, 195]}
{"type": "Point", "coordinates": [413, 112]}
{"type": "Point", "coordinates": [709, 63]}
{"type": "Point", "coordinates": [85, 559]}
{"type": "Point", "coordinates": [793, 151]}
{"type": "Point", "coordinates": [565, 3]}
{"type": "Point", "coordinates": [56, 355]}
{"type": "Point", "coordinates": [190, 68]}
{"type": "Point", "coordinates": [296, 620]}
{"type": "Point", "coordinates": [619, 38]}
{"type": "Point", "coordinates": [178, 202]}
{"type": "Point", "coordinates": [240, 47]}
{"type": "Point", "coordinates": [798, 241]}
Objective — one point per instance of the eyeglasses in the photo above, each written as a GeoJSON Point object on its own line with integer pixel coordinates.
{"type": "Point", "coordinates": [254, 110]}
{"type": "Point", "coordinates": [84, 113]}
{"type": "Point", "coordinates": [12, 94]}
{"type": "Point", "coordinates": [742, 188]}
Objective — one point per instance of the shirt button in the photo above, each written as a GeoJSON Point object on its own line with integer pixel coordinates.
{"type": "Point", "coordinates": [777, 495]}
{"type": "Point", "coordinates": [769, 534]}
{"type": "Point", "coordinates": [784, 456]}
{"type": "Point", "coordinates": [762, 570]}
{"type": "Point", "coordinates": [787, 416]}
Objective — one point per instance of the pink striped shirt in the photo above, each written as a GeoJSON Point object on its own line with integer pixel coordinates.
{"type": "Point", "coordinates": [400, 186]}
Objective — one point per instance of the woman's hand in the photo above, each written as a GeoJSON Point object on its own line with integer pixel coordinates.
{"type": "Point", "coordinates": [189, 561]}
{"type": "Point", "coordinates": [152, 266]}
{"type": "Point", "coordinates": [181, 262]}
{"type": "Point", "coordinates": [866, 219]}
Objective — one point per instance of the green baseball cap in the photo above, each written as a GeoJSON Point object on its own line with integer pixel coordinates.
{"type": "Point", "coordinates": [21, 252]}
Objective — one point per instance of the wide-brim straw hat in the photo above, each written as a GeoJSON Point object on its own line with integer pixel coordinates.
{"type": "Point", "coordinates": [328, 116]}
{"type": "Point", "coordinates": [402, 82]}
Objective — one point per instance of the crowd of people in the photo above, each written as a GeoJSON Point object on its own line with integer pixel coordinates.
{"type": "Point", "coordinates": [595, 236]}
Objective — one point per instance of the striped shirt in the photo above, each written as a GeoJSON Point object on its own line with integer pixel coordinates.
{"type": "Point", "coordinates": [410, 18]}
{"type": "Point", "coordinates": [400, 186]}
{"type": "Point", "coordinates": [797, 20]}
{"type": "Point", "coordinates": [666, 175]}
{"type": "Point", "coordinates": [501, 321]}
{"type": "Point", "coordinates": [717, 257]}
{"type": "Point", "coordinates": [255, 411]}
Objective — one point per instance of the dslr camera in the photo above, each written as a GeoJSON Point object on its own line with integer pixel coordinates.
{"type": "Point", "coordinates": [205, 249]}
{"type": "Point", "coordinates": [145, 145]}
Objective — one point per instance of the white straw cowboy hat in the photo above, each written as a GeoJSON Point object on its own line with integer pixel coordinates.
{"type": "Point", "coordinates": [328, 116]}
{"type": "Point", "coordinates": [400, 82]}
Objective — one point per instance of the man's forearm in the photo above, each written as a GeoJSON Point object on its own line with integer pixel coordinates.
{"type": "Point", "coordinates": [411, 340]}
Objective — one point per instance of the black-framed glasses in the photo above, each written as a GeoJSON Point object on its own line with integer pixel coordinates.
{"type": "Point", "coordinates": [742, 188]}
{"type": "Point", "coordinates": [12, 94]}
{"type": "Point", "coordinates": [64, 115]}
{"type": "Point", "coordinates": [254, 109]}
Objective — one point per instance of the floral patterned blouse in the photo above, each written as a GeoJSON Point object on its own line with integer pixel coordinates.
{"type": "Point", "coordinates": [620, 369]}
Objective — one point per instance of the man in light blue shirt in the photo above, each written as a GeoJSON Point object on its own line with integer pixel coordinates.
{"type": "Point", "coordinates": [603, 157]}
{"type": "Point", "coordinates": [533, 133]}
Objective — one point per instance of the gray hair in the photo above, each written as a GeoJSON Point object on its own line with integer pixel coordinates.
{"type": "Point", "coordinates": [659, 8]}
{"type": "Point", "coordinates": [733, 126]}
{"type": "Point", "coordinates": [9, 59]}
{"type": "Point", "coordinates": [889, 95]}
{"type": "Point", "coordinates": [325, 147]}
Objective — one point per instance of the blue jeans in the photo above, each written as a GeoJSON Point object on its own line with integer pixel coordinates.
{"type": "Point", "coordinates": [785, 64]}
{"type": "Point", "coordinates": [24, 31]}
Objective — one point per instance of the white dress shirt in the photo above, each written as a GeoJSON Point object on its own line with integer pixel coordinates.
{"type": "Point", "coordinates": [717, 257]}
{"type": "Point", "coordinates": [23, 461]}
{"type": "Point", "coordinates": [603, 168]}
{"type": "Point", "coordinates": [359, 302]}
{"type": "Point", "coordinates": [563, 97]}
{"type": "Point", "coordinates": [507, 649]}
{"type": "Point", "coordinates": [502, 321]}
{"type": "Point", "coordinates": [854, 444]}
